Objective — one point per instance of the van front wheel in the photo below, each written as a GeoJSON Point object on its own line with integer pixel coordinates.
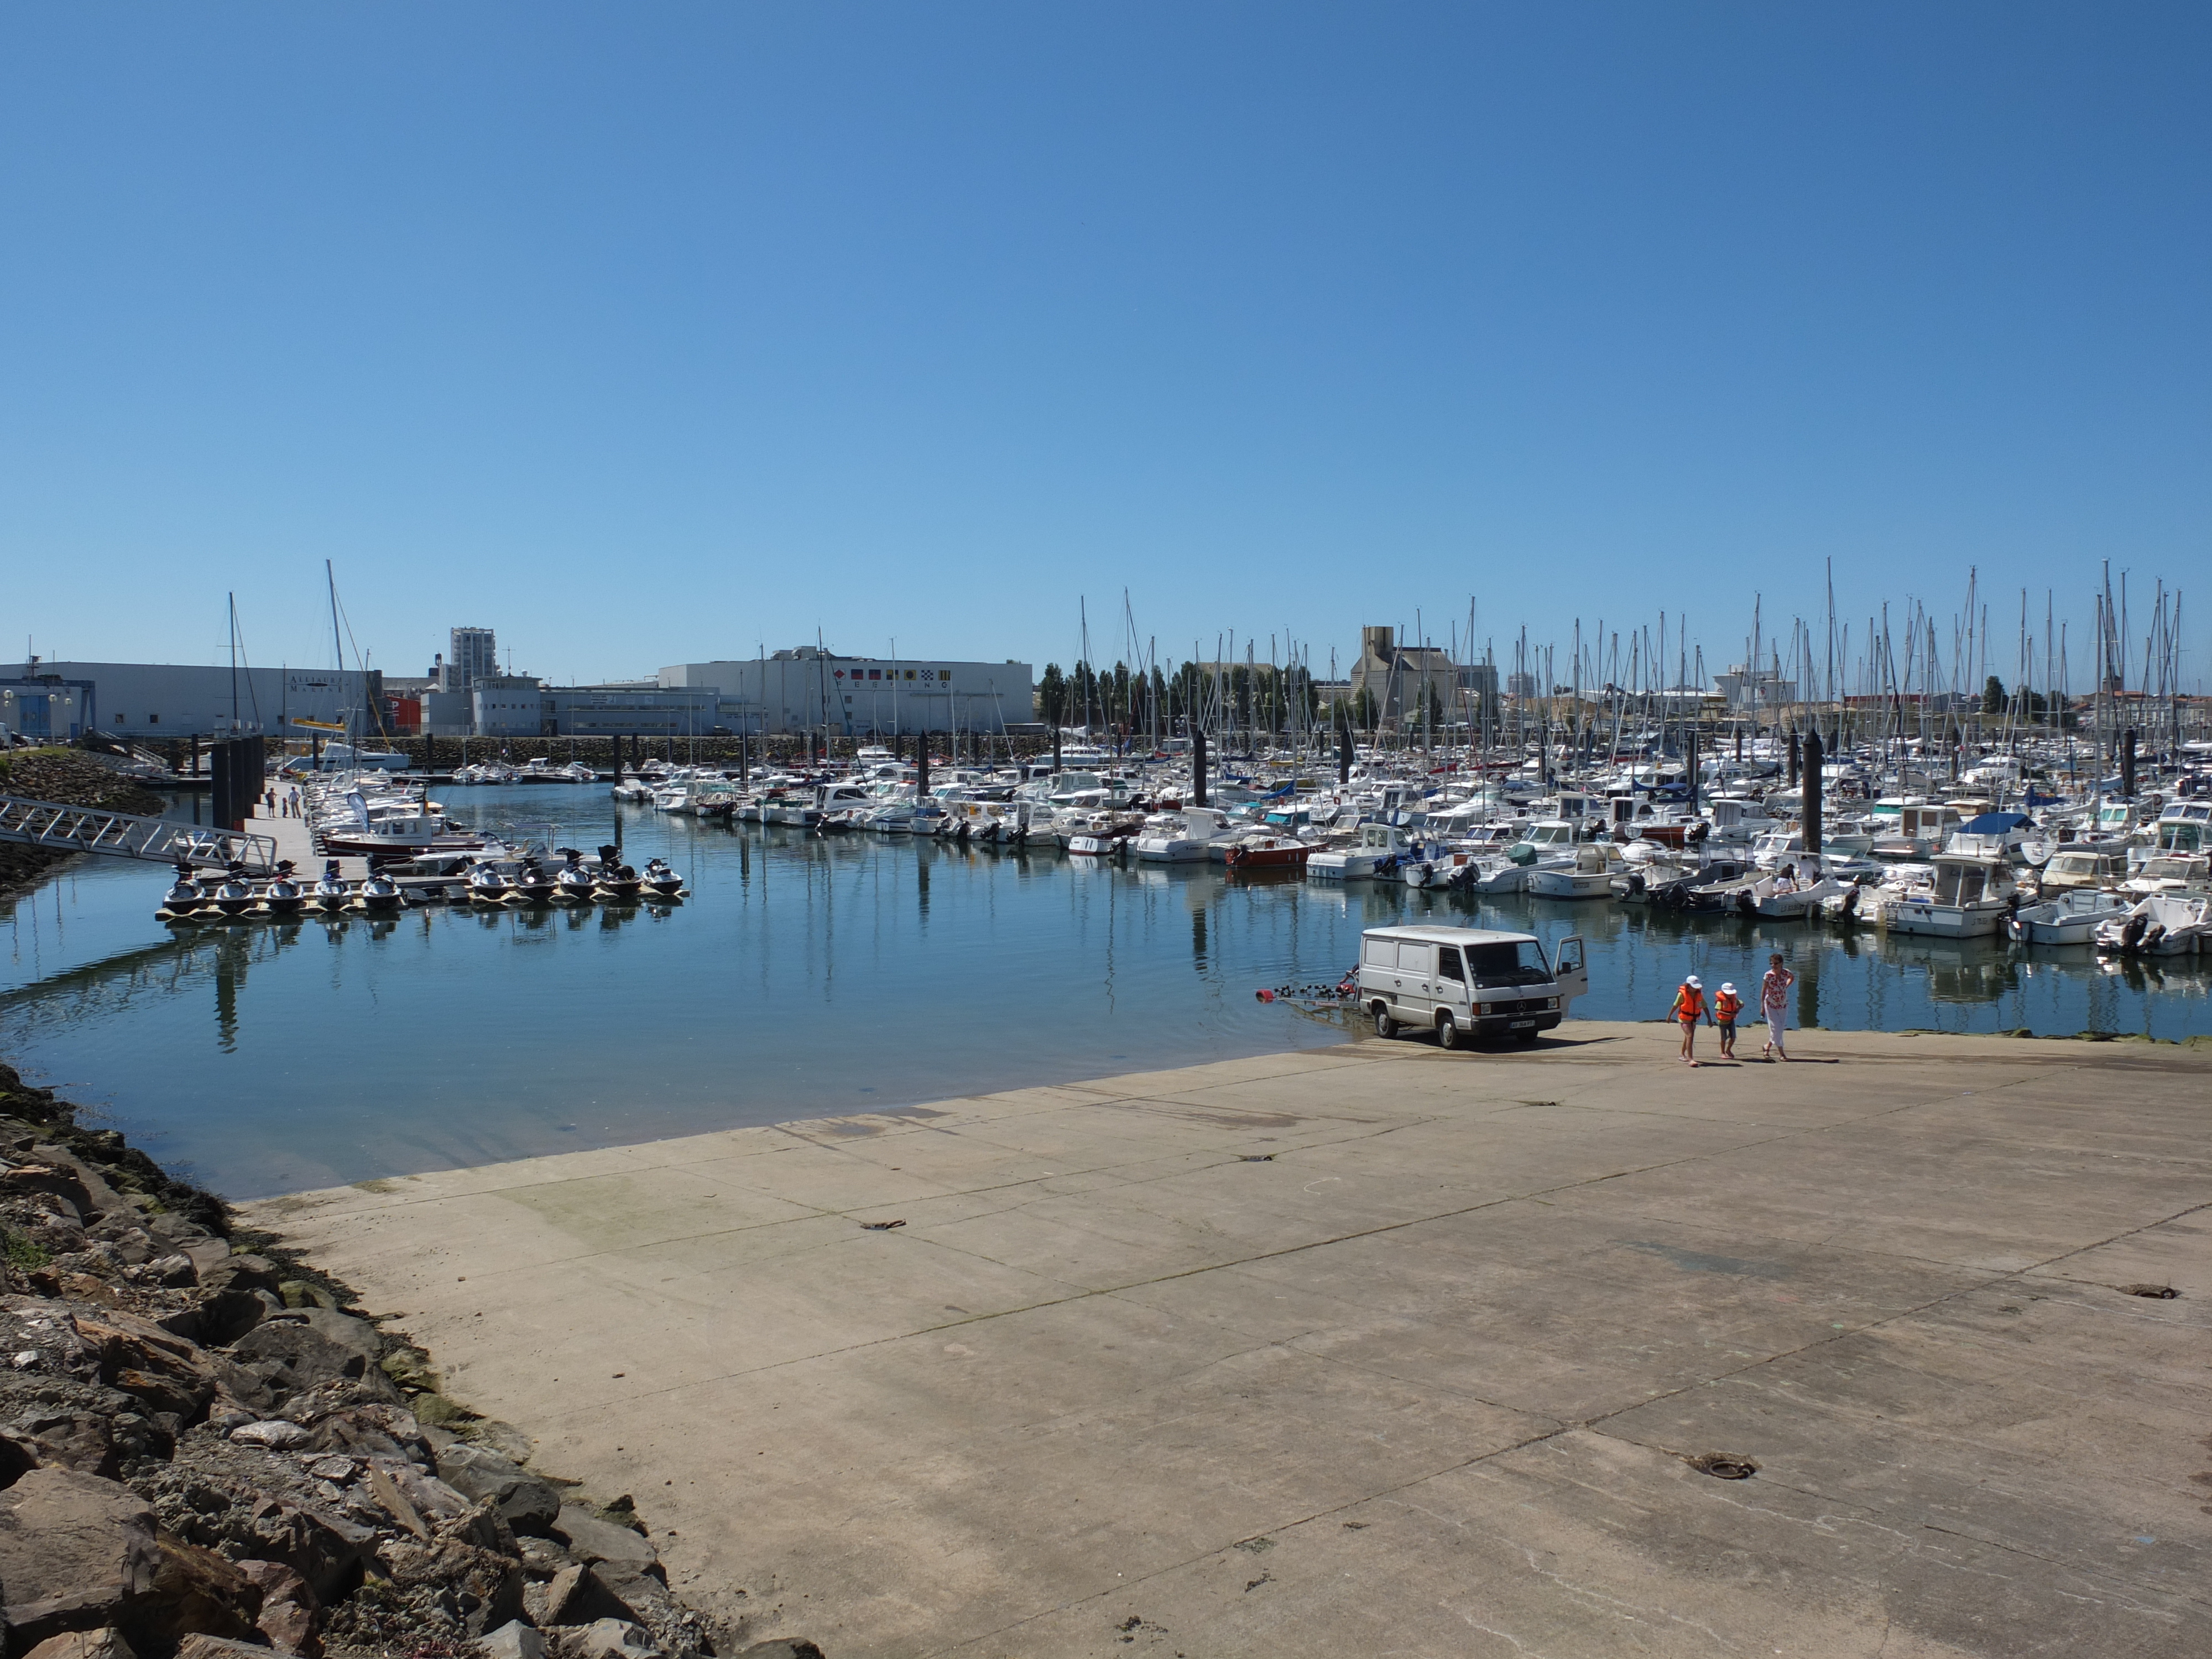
{"type": "Point", "coordinates": [1449, 1035]}
{"type": "Point", "coordinates": [1384, 1025]}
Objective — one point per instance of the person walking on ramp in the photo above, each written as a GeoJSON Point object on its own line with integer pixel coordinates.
{"type": "Point", "coordinates": [1689, 1008]}
{"type": "Point", "coordinates": [1726, 1005]}
{"type": "Point", "coordinates": [1774, 1003]}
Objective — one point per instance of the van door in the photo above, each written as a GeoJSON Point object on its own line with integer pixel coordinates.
{"type": "Point", "coordinates": [1570, 970]}
{"type": "Point", "coordinates": [1452, 992]}
{"type": "Point", "coordinates": [1415, 999]}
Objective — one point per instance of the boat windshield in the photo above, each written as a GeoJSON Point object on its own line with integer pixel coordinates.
{"type": "Point", "coordinates": [1508, 962]}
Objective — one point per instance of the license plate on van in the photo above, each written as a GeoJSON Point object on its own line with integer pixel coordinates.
{"type": "Point", "coordinates": [1520, 1024]}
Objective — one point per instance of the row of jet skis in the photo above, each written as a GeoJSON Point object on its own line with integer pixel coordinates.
{"type": "Point", "coordinates": [235, 894]}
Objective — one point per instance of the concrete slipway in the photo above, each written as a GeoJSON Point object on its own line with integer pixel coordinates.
{"type": "Point", "coordinates": [1378, 1350]}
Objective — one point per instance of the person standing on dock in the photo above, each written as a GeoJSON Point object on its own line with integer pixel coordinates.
{"type": "Point", "coordinates": [1774, 1003]}
{"type": "Point", "coordinates": [1689, 1007]}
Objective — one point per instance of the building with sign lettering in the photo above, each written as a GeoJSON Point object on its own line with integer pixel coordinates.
{"type": "Point", "coordinates": [806, 688]}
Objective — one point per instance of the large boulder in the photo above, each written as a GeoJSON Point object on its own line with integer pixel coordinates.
{"type": "Point", "coordinates": [74, 1551]}
{"type": "Point", "coordinates": [330, 1552]}
{"type": "Point", "coordinates": [294, 1352]}
{"type": "Point", "coordinates": [577, 1596]}
{"type": "Point", "coordinates": [168, 1372]}
{"type": "Point", "coordinates": [619, 1553]}
{"type": "Point", "coordinates": [528, 1504]}
{"type": "Point", "coordinates": [288, 1608]}
{"type": "Point", "coordinates": [84, 1644]}
{"type": "Point", "coordinates": [195, 1591]}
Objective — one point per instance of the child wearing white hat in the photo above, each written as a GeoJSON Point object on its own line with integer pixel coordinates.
{"type": "Point", "coordinates": [1689, 1005]}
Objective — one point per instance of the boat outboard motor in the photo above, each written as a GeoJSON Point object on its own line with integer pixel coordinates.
{"type": "Point", "coordinates": [2131, 932]}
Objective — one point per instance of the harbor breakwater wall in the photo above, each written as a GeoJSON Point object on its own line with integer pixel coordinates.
{"type": "Point", "coordinates": [208, 1448]}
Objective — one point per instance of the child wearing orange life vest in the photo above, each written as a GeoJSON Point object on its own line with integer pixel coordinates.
{"type": "Point", "coordinates": [1689, 1007]}
{"type": "Point", "coordinates": [1726, 1005]}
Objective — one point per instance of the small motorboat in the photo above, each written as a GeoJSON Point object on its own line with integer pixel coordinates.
{"type": "Point", "coordinates": [380, 894]}
{"type": "Point", "coordinates": [617, 881]}
{"type": "Point", "coordinates": [487, 886]}
{"type": "Point", "coordinates": [333, 892]}
{"type": "Point", "coordinates": [282, 897]}
{"type": "Point", "coordinates": [2071, 917]}
{"type": "Point", "coordinates": [1262, 852]}
{"type": "Point", "coordinates": [235, 896]}
{"type": "Point", "coordinates": [533, 884]}
{"type": "Point", "coordinates": [572, 883]}
{"type": "Point", "coordinates": [660, 881]}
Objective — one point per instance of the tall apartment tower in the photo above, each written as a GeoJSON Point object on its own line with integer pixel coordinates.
{"type": "Point", "coordinates": [474, 656]}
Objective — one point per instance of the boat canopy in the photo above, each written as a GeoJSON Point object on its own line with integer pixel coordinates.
{"type": "Point", "coordinates": [1994, 824]}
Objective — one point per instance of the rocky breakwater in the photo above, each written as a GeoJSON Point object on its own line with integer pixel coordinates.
{"type": "Point", "coordinates": [206, 1450]}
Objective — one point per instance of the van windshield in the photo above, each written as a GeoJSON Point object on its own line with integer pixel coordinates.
{"type": "Point", "coordinates": [1512, 962]}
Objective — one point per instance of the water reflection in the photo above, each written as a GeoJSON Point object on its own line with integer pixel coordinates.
{"type": "Point", "coordinates": [813, 974]}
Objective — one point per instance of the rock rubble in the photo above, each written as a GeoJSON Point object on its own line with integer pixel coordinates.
{"type": "Point", "coordinates": [207, 1450]}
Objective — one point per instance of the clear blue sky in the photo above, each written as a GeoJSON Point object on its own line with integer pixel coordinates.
{"type": "Point", "coordinates": [648, 333]}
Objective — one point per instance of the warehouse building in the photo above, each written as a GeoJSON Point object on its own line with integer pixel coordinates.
{"type": "Point", "coordinates": [806, 688]}
{"type": "Point", "coordinates": [182, 700]}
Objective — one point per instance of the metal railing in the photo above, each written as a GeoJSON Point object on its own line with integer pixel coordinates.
{"type": "Point", "coordinates": [121, 834]}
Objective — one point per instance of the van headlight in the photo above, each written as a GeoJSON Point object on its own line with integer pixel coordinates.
{"type": "Point", "coordinates": [1550, 1002]}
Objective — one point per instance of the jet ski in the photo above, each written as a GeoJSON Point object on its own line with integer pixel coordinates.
{"type": "Point", "coordinates": [488, 886]}
{"type": "Point", "coordinates": [235, 896]}
{"type": "Point", "coordinates": [282, 897]}
{"type": "Point", "coordinates": [617, 880]}
{"type": "Point", "coordinates": [572, 883]}
{"type": "Point", "coordinates": [533, 885]}
{"type": "Point", "coordinates": [380, 894]}
{"type": "Point", "coordinates": [332, 892]}
{"type": "Point", "coordinates": [660, 881]}
{"type": "Point", "coordinates": [186, 897]}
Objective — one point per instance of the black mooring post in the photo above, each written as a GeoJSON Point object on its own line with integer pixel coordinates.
{"type": "Point", "coordinates": [920, 767]}
{"type": "Point", "coordinates": [1794, 751]}
{"type": "Point", "coordinates": [1343, 750]}
{"type": "Point", "coordinates": [1809, 809]}
{"type": "Point", "coordinates": [1691, 773]}
{"type": "Point", "coordinates": [1198, 768]}
{"type": "Point", "coordinates": [2128, 763]}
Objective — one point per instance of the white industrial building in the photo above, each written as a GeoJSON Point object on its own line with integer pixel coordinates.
{"type": "Point", "coordinates": [183, 700]}
{"type": "Point", "coordinates": [806, 688]}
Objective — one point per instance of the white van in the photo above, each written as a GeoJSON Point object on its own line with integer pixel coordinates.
{"type": "Point", "coordinates": [1467, 983]}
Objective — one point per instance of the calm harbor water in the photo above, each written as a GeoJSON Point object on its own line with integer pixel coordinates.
{"type": "Point", "coordinates": [809, 976]}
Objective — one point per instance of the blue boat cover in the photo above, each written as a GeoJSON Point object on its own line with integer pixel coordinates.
{"type": "Point", "coordinates": [1994, 823]}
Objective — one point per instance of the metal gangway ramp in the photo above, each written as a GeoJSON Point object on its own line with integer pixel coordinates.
{"type": "Point", "coordinates": [120, 835]}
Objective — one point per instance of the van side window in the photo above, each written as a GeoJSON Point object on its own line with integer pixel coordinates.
{"type": "Point", "coordinates": [1448, 964]}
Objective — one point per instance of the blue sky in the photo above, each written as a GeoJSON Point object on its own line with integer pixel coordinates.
{"type": "Point", "coordinates": [647, 334]}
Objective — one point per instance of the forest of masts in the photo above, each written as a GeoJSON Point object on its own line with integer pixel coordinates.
{"type": "Point", "coordinates": [1882, 685]}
